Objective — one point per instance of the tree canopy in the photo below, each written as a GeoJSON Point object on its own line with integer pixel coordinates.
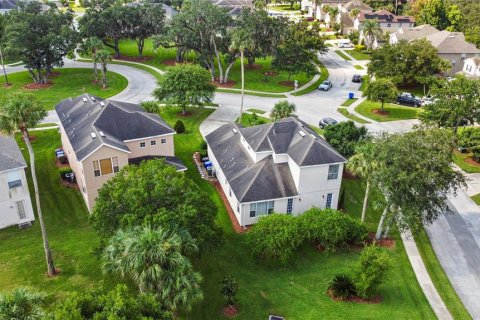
{"type": "Point", "coordinates": [381, 90]}
{"type": "Point", "coordinates": [282, 109]}
{"type": "Point", "coordinates": [345, 136]}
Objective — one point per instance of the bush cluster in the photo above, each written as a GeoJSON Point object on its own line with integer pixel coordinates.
{"type": "Point", "coordinates": [275, 237]}
{"type": "Point", "coordinates": [179, 127]}
{"type": "Point", "coordinates": [63, 171]}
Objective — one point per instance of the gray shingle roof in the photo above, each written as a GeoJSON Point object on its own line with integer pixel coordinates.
{"type": "Point", "coordinates": [10, 155]}
{"type": "Point", "coordinates": [451, 42]}
{"type": "Point", "coordinates": [417, 32]}
{"type": "Point", "coordinates": [384, 16]}
{"type": "Point", "coordinates": [117, 121]}
{"type": "Point", "coordinates": [8, 4]}
{"type": "Point", "coordinates": [266, 179]}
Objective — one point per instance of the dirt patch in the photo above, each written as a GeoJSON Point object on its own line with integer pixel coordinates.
{"type": "Point", "coordinates": [286, 83]}
{"type": "Point", "coordinates": [184, 115]}
{"type": "Point", "coordinates": [230, 311]}
{"type": "Point", "coordinates": [348, 175]}
{"type": "Point", "coordinates": [384, 243]}
{"type": "Point", "coordinates": [355, 299]}
{"type": "Point", "coordinates": [270, 73]}
{"type": "Point", "coordinates": [472, 162]}
{"type": "Point", "coordinates": [380, 112]}
{"type": "Point", "coordinates": [229, 84]}
{"type": "Point", "coordinates": [37, 86]}
{"type": "Point", "coordinates": [253, 66]}
{"type": "Point", "coordinates": [134, 59]}
{"type": "Point", "coordinates": [169, 62]}
{"type": "Point", "coordinates": [54, 74]}
{"type": "Point", "coordinates": [7, 85]}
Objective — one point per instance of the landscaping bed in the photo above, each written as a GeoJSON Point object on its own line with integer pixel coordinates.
{"type": "Point", "coordinates": [466, 162]}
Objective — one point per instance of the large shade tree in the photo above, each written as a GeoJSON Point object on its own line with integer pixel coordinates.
{"type": "Point", "coordinates": [381, 90]}
{"type": "Point", "coordinates": [40, 38]}
{"type": "Point", "coordinates": [19, 113]}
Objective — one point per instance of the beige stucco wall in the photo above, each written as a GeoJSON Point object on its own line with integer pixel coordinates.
{"type": "Point", "coordinates": [160, 149]}
{"type": "Point", "coordinates": [9, 197]}
{"type": "Point", "coordinates": [457, 57]}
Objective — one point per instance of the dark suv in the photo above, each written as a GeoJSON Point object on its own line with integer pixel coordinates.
{"type": "Point", "coordinates": [409, 99]}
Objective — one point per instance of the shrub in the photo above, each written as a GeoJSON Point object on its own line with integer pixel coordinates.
{"type": "Point", "coordinates": [359, 47]}
{"type": "Point", "coordinates": [330, 228]}
{"type": "Point", "coordinates": [63, 171]}
{"type": "Point", "coordinates": [469, 138]}
{"type": "Point", "coordinates": [296, 6]}
{"type": "Point", "coordinates": [150, 106]}
{"type": "Point", "coordinates": [344, 137]}
{"type": "Point", "coordinates": [476, 154]}
{"type": "Point", "coordinates": [179, 126]}
{"type": "Point", "coordinates": [342, 287]}
{"type": "Point", "coordinates": [274, 237]}
{"type": "Point", "coordinates": [203, 145]}
{"type": "Point", "coordinates": [255, 120]}
{"type": "Point", "coordinates": [371, 270]}
{"type": "Point", "coordinates": [229, 289]}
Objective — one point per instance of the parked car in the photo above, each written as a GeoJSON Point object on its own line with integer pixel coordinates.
{"type": "Point", "coordinates": [325, 122]}
{"type": "Point", "coordinates": [409, 99]}
{"type": "Point", "coordinates": [357, 78]}
{"type": "Point", "coordinates": [345, 45]}
{"type": "Point", "coordinates": [325, 86]}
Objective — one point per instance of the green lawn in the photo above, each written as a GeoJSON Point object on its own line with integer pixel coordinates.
{"type": "Point", "coordinates": [256, 94]}
{"type": "Point", "coordinates": [343, 55]}
{"type": "Point", "coordinates": [258, 111]}
{"type": "Point", "coordinates": [476, 198]}
{"type": "Point", "coordinates": [396, 112]}
{"type": "Point", "coordinates": [71, 236]}
{"type": "Point", "coordinates": [364, 85]}
{"type": "Point", "coordinates": [358, 67]}
{"type": "Point", "coordinates": [460, 160]}
{"type": "Point", "coordinates": [70, 83]}
{"type": "Point", "coordinates": [359, 55]}
{"type": "Point", "coordinates": [439, 278]}
{"type": "Point", "coordinates": [344, 112]}
{"type": "Point", "coordinates": [348, 102]}
{"type": "Point", "coordinates": [247, 117]}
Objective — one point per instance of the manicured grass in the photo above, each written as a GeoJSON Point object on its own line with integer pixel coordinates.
{"type": "Point", "coordinates": [359, 55]}
{"type": "Point", "coordinates": [70, 83]}
{"type": "Point", "coordinates": [395, 112]}
{"type": "Point", "coordinates": [364, 85]}
{"type": "Point", "coordinates": [256, 111]}
{"type": "Point", "coordinates": [343, 55]}
{"type": "Point", "coordinates": [345, 113]}
{"type": "Point", "coordinates": [247, 120]}
{"type": "Point", "coordinates": [284, 7]}
{"type": "Point", "coordinates": [71, 236]}
{"type": "Point", "coordinates": [146, 68]}
{"type": "Point", "coordinates": [415, 90]}
{"type": "Point", "coordinates": [358, 67]}
{"type": "Point", "coordinates": [348, 102]}
{"type": "Point", "coordinates": [476, 198]}
{"type": "Point", "coordinates": [460, 160]}
{"type": "Point", "coordinates": [45, 125]}
{"type": "Point", "coordinates": [439, 278]}
{"type": "Point", "coordinates": [256, 94]}
{"type": "Point", "coordinates": [314, 86]}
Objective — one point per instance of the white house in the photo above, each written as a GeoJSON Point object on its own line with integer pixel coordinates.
{"type": "Point", "coordinates": [15, 204]}
{"type": "Point", "coordinates": [471, 67]}
{"type": "Point", "coordinates": [282, 167]}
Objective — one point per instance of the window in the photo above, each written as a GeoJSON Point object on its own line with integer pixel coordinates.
{"type": "Point", "coordinates": [21, 210]}
{"type": "Point", "coordinates": [464, 56]}
{"type": "Point", "coordinates": [14, 179]}
{"type": "Point", "coordinates": [261, 208]}
{"type": "Point", "coordinates": [115, 164]}
{"type": "Point", "coordinates": [290, 206]}
{"type": "Point", "coordinates": [163, 141]}
{"type": "Point", "coordinates": [328, 204]}
{"type": "Point", "coordinates": [333, 171]}
{"type": "Point", "coordinates": [106, 166]}
{"type": "Point", "coordinates": [454, 62]}
{"type": "Point", "coordinates": [153, 143]}
{"type": "Point", "coordinates": [230, 192]}
{"type": "Point", "coordinates": [142, 144]}
{"type": "Point", "coordinates": [238, 206]}
{"type": "Point", "coordinates": [96, 168]}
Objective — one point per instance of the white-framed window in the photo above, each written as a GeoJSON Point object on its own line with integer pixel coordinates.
{"type": "Point", "coordinates": [290, 205]}
{"type": "Point", "coordinates": [230, 191]}
{"type": "Point", "coordinates": [163, 141]}
{"type": "Point", "coordinates": [14, 179]}
{"type": "Point", "coordinates": [142, 144]}
{"type": "Point", "coordinates": [115, 166]}
{"type": "Point", "coordinates": [333, 171]}
{"type": "Point", "coordinates": [328, 203]}
{"type": "Point", "coordinates": [153, 143]}
{"type": "Point", "coordinates": [258, 209]}
{"type": "Point", "coordinates": [96, 168]}
{"type": "Point", "coordinates": [21, 210]}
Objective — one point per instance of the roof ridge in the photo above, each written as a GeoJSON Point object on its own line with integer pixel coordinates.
{"type": "Point", "coordinates": [276, 173]}
{"type": "Point", "coordinates": [307, 151]}
{"type": "Point", "coordinates": [255, 177]}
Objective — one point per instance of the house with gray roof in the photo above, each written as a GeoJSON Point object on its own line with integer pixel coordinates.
{"type": "Point", "coordinates": [15, 204]}
{"type": "Point", "coordinates": [7, 5]}
{"type": "Point", "coordinates": [471, 68]}
{"type": "Point", "coordinates": [100, 137]}
{"type": "Point", "coordinates": [282, 167]}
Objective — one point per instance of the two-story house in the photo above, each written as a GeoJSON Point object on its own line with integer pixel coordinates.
{"type": "Point", "coordinates": [15, 204]}
{"type": "Point", "coordinates": [471, 67]}
{"type": "Point", "coordinates": [99, 137]}
{"type": "Point", "coordinates": [282, 167]}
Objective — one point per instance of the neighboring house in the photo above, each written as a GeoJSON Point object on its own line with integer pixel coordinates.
{"type": "Point", "coordinates": [346, 18]}
{"type": "Point", "coordinates": [100, 137]}
{"type": "Point", "coordinates": [309, 6]}
{"type": "Point", "coordinates": [409, 34]}
{"type": "Point", "coordinates": [234, 7]}
{"type": "Point", "coordinates": [387, 20]}
{"type": "Point", "coordinates": [15, 204]}
{"type": "Point", "coordinates": [7, 5]}
{"type": "Point", "coordinates": [471, 67]}
{"type": "Point", "coordinates": [282, 167]}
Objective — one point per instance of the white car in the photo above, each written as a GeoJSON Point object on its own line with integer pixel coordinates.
{"type": "Point", "coordinates": [345, 45]}
{"type": "Point", "coordinates": [325, 86]}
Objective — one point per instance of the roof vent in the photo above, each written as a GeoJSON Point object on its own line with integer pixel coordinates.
{"type": "Point", "coordinates": [101, 133]}
{"type": "Point", "coordinates": [234, 131]}
{"type": "Point", "coordinates": [85, 100]}
{"type": "Point", "coordinates": [102, 104]}
{"type": "Point", "coordinates": [303, 134]}
{"type": "Point", "coordinates": [93, 135]}
{"type": "Point", "coordinates": [93, 98]}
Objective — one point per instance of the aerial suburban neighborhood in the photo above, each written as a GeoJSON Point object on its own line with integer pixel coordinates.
{"type": "Point", "coordinates": [231, 159]}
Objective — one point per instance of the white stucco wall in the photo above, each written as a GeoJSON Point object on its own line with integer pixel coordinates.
{"type": "Point", "coordinates": [9, 197]}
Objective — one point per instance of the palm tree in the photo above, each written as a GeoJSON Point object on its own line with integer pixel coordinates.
{"type": "Point", "coordinates": [333, 13]}
{"type": "Point", "coordinates": [363, 164]}
{"type": "Point", "coordinates": [90, 46]}
{"type": "Point", "coordinates": [155, 259]}
{"type": "Point", "coordinates": [370, 30]}
{"type": "Point", "coordinates": [282, 109]}
{"type": "Point", "coordinates": [20, 112]}
{"type": "Point", "coordinates": [316, 3]}
{"type": "Point", "coordinates": [21, 304]}
{"type": "Point", "coordinates": [241, 40]}
{"type": "Point", "coordinates": [104, 57]}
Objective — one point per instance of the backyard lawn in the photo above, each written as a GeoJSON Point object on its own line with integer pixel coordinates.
{"type": "Point", "coordinates": [70, 83]}
{"type": "Point", "coordinates": [394, 111]}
